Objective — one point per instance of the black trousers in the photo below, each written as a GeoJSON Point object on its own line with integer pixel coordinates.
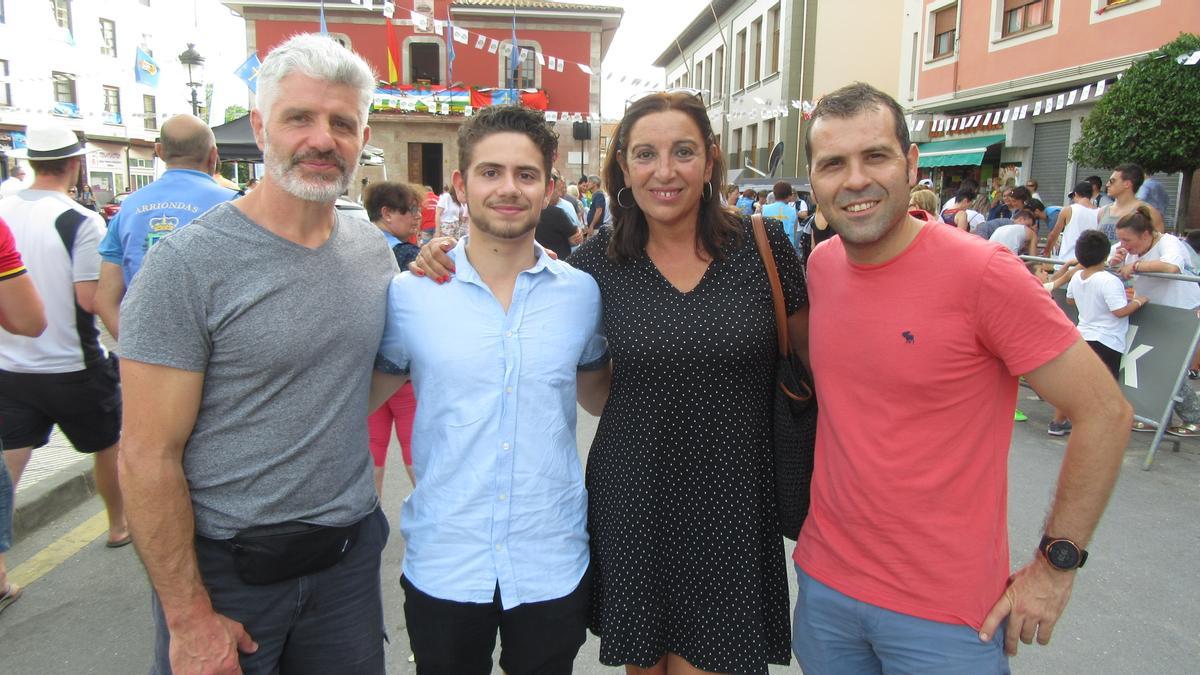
{"type": "Point", "coordinates": [458, 638]}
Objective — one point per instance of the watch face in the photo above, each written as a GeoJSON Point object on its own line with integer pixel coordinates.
{"type": "Point", "coordinates": [1063, 555]}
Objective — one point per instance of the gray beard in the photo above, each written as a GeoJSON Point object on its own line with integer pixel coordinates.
{"type": "Point", "coordinates": [287, 177]}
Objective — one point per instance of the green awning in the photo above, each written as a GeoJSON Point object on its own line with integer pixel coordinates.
{"type": "Point", "coordinates": [959, 152]}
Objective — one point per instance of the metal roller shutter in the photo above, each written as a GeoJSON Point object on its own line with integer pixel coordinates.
{"type": "Point", "coordinates": [1171, 182]}
{"type": "Point", "coordinates": [1049, 168]}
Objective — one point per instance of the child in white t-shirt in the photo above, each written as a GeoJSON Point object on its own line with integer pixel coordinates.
{"type": "Point", "coordinates": [1104, 308]}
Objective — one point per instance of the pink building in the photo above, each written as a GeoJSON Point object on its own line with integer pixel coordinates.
{"type": "Point", "coordinates": [981, 62]}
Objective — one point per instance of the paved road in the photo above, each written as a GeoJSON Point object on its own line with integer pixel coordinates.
{"type": "Point", "coordinates": [1136, 607]}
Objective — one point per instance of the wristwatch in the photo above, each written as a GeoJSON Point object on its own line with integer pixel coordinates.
{"type": "Point", "coordinates": [1062, 554]}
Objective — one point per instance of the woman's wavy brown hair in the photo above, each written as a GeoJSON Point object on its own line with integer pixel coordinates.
{"type": "Point", "coordinates": [719, 227]}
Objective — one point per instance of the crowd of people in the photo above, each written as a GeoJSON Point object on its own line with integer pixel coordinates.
{"type": "Point", "coordinates": [640, 296]}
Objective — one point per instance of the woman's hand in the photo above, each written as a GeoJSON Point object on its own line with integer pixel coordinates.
{"type": "Point", "coordinates": [433, 262]}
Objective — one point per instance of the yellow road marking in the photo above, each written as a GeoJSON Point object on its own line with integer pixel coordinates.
{"type": "Point", "coordinates": [55, 554]}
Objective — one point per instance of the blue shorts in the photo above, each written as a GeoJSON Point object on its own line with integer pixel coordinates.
{"type": "Point", "coordinates": [833, 633]}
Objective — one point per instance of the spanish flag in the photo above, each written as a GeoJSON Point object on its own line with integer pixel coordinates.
{"type": "Point", "coordinates": [393, 53]}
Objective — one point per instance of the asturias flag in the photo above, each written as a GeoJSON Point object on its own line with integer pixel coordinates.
{"type": "Point", "coordinates": [145, 69]}
{"type": "Point", "coordinates": [248, 71]}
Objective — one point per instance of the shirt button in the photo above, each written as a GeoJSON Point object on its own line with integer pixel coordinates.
{"type": "Point", "coordinates": [503, 497]}
{"type": "Point", "coordinates": [504, 446]}
{"type": "Point", "coordinates": [508, 334]}
{"type": "Point", "coordinates": [497, 547]}
{"type": "Point", "coordinates": [508, 390]}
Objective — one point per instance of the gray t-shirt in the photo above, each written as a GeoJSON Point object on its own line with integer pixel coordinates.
{"type": "Point", "coordinates": [286, 337]}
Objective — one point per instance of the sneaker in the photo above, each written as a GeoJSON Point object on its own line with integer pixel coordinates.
{"type": "Point", "coordinates": [1056, 429]}
{"type": "Point", "coordinates": [1144, 426]}
{"type": "Point", "coordinates": [1019, 416]}
{"type": "Point", "coordinates": [1185, 430]}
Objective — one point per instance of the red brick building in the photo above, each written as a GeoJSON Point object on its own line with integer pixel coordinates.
{"type": "Point", "coordinates": [562, 42]}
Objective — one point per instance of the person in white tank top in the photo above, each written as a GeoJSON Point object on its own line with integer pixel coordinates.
{"type": "Point", "coordinates": [1074, 220]}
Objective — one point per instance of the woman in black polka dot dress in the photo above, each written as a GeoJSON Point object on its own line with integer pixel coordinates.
{"type": "Point", "coordinates": [689, 571]}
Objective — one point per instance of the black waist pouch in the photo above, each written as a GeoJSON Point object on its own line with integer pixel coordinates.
{"type": "Point", "coordinates": [274, 553]}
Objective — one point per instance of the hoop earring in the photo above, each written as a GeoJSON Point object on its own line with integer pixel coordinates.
{"type": "Point", "coordinates": [707, 194]}
{"type": "Point", "coordinates": [623, 204]}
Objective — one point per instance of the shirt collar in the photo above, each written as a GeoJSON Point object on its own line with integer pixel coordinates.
{"type": "Point", "coordinates": [392, 239]}
{"type": "Point", "coordinates": [191, 171]}
{"type": "Point", "coordinates": [465, 271]}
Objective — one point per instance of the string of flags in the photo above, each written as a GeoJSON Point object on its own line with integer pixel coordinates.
{"type": "Point", "coordinates": [1016, 111]}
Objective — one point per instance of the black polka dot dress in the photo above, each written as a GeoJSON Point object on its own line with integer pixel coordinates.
{"type": "Point", "coordinates": [685, 552]}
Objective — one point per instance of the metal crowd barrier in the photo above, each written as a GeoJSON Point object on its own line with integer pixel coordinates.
{"type": "Point", "coordinates": [1160, 345]}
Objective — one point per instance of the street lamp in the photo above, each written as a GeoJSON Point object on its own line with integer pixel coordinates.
{"type": "Point", "coordinates": [191, 58]}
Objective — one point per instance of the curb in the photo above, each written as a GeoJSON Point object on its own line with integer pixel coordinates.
{"type": "Point", "coordinates": [52, 497]}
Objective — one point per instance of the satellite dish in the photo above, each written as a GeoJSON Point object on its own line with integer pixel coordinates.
{"type": "Point", "coordinates": [776, 158]}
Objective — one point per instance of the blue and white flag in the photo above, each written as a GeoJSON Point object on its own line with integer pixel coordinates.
{"type": "Point", "coordinates": [248, 71]}
{"type": "Point", "coordinates": [145, 69]}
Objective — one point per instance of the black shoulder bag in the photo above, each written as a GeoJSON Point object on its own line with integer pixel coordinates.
{"type": "Point", "coordinates": [795, 428]}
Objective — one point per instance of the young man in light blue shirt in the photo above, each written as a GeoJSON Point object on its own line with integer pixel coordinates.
{"type": "Point", "coordinates": [496, 527]}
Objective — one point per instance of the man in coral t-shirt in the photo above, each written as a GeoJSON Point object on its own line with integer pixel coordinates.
{"type": "Point", "coordinates": [918, 336]}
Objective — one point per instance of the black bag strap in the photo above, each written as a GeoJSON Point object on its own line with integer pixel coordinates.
{"type": "Point", "coordinates": [768, 258]}
{"type": "Point", "coordinates": [67, 224]}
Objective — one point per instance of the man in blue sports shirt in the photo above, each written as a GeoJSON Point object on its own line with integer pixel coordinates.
{"type": "Point", "coordinates": [495, 530]}
{"type": "Point", "coordinates": [187, 146]}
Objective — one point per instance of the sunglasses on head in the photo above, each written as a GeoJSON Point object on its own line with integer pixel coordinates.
{"type": "Point", "coordinates": [696, 93]}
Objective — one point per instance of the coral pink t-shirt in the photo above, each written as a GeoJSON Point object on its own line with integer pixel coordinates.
{"type": "Point", "coordinates": [916, 364]}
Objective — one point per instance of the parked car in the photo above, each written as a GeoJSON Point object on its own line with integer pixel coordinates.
{"type": "Point", "coordinates": [351, 208]}
{"type": "Point", "coordinates": [110, 210]}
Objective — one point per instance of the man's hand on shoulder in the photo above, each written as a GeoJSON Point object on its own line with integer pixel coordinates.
{"type": "Point", "coordinates": [207, 643]}
{"type": "Point", "coordinates": [1034, 600]}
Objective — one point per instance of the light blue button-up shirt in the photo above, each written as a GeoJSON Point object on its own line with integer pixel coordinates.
{"type": "Point", "coordinates": [499, 498]}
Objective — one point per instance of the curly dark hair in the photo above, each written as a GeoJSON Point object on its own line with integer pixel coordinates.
{"type": "Point", "coordinates": [718, 227]}
{"type": "Point", "coordinates": [507, 118]}
{"type": "Point", "coordinates": [397, 196]}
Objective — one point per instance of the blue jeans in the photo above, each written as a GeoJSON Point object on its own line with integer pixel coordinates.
{"type": "Point", "coordinates": [833, 633]}
{"type": "Point", "coordinates": [6, 506]}
{"type": "Point", "coordinates": [328, 622]}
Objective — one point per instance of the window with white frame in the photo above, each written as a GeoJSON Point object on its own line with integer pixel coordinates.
{"type": "Point", "coordinates": [112, 101]}
{"type": "Point", "coordinates": [775, 28]}
{"type": "Point", "coordinates": [62, 13]}
{"type": "Point", "coordinates": [527, 68]}
{"type": "Point", "coordinates": [755, 50]}
{"type": "Point", "coordinates": [5, 87]}
{"type": "Point", "coordinates": [708, 78]}
{"type": "Point", "coordinates": [719, 72]}
{"type": "Point", "coordinates": [944, 22]}
{"type": "Point", "coordinates": [1024, 15]}
{"type": "Point", "coordinates": [424, 62]}
{"type": "Point", "coordinates": [149, 112]}
{"type": "Point", "coordinates": [751, 144]}
{"type": "Point", "coordinates": [108, 37]}
{"type": "Point", "coordinates": [64, 88]}
{"type": "Point", "coordinates": [739, 71]}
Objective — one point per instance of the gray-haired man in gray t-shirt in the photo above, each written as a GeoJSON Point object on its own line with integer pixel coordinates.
{"type": "Point", "coordinates": [248, 340]}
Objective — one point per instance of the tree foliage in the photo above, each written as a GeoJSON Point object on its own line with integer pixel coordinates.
{"type": "Point", "coordinates": [1150, 117]}
{"type": "Point", "coordinates": [234, 111]}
